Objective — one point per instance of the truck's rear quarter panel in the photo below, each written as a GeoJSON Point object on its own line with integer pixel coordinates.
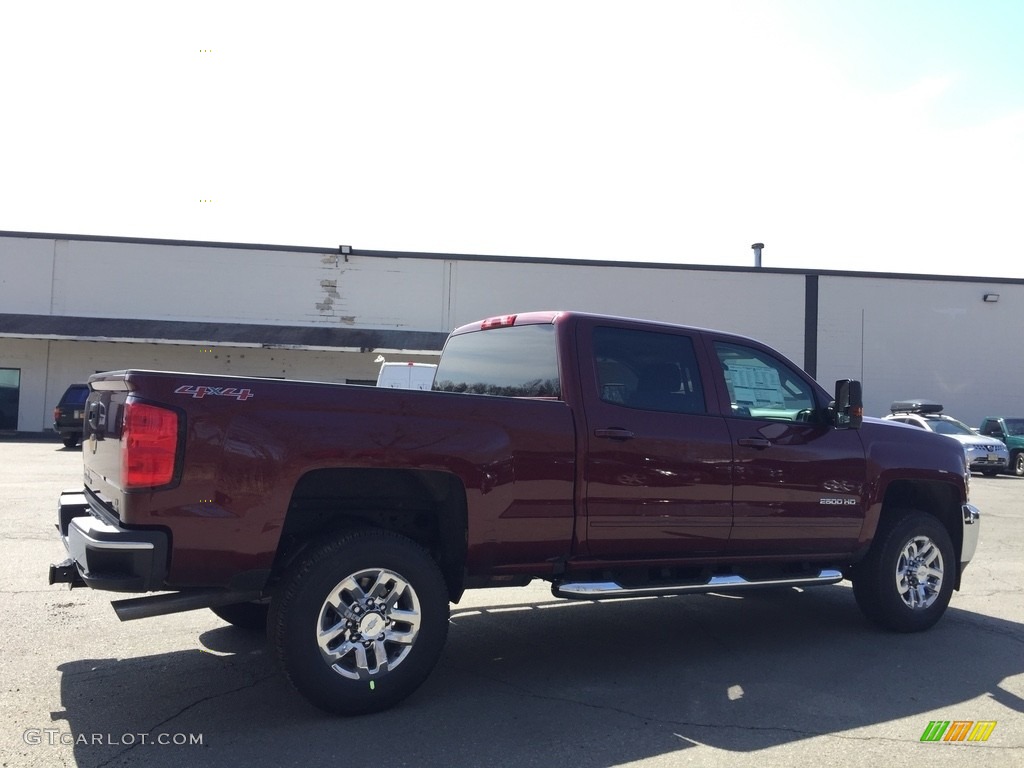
{"type": "Point", "coordinates": [247, 442]}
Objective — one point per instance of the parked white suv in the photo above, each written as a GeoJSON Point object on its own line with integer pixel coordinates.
{"type": "Point", "coordinates": [984, 454]}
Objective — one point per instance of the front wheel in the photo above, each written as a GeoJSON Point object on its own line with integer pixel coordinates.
{"type": "Point", "coordinates": [906, 580]}
{"type": "Point", "coordinates": [360, 621]}
{"type": "Point", "coordinates": [1018, 464]}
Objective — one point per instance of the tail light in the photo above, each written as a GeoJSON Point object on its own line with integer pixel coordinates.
{"type": "Point", "coordinates": [149, 445]}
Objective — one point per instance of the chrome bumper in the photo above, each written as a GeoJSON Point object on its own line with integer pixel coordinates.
{"type": "Point", "coordinates": [972, 524]}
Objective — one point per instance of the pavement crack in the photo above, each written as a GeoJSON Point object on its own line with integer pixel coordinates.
{"type": "Point", "coordinates": [220, 694]}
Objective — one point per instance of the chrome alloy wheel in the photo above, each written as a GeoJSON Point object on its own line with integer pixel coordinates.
{"type": "Point", "coordinates": [368, 624]}
{"type": "Point", "coordinates": [919, 572]}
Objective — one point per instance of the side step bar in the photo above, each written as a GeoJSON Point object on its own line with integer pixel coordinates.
{"type": "Point", "coordinates": [606, 590]}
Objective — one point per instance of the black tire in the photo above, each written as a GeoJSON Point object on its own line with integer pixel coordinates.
{"type": "Point", "coordinates": [892, 585]}
{"type": "Point", "coordinates": [244, 615]}
{"type": "Point", "coordinates": [70, 441]}
{"type": "Point", "coordinates": [409, 625]}
{"type": "Point", "coordinates": [1017, 463]}
{"type": "Point", "coordinates": [990, 472]}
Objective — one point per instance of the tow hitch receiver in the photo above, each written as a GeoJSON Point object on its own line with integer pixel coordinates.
{"type": "Point", "coordinates": [66, 573]}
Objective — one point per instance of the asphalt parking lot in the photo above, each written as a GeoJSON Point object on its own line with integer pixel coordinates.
{"type": "Point", "coordinates": [781, 678]}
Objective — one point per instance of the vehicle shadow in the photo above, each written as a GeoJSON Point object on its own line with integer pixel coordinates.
{"type": "Point", "coordinates": [581, 683]}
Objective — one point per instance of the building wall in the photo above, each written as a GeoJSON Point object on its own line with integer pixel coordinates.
{"type": "Point", "coordinates": [903, 336]}
{"type": "Point", "coordinates": [765, 305]}
{"type": "Point", "coordinates": [89, 278]}
{"type": "Point", "coordinates": [936, 339]}
{"type": "Point", "coordinates": [26, 275]}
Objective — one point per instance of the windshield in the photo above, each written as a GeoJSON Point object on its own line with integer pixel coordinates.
{"type": "Point", "coordinates": [949, 426]}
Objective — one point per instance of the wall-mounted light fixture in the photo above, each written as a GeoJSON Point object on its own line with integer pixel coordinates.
{"type": "Point", "coordinates": [991, 298]}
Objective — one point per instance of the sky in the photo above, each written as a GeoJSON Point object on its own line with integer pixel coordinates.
{"type": "Point", "coordinates": [880, 135]}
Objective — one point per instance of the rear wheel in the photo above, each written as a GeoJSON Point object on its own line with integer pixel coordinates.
{"type": "Point", "coordinates": [71, 441]}
{"type": "Point", "coordinates": [906, 580]}
{"type": "Point", "coordinates": [360, 621]}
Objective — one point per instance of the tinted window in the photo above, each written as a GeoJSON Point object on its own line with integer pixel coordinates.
{"type": "Point", "coordinates": [516, 361]}
{"type": "Point", "coordinates": [991, 428]}
{"type": "Point", "coordinates": [75, 395]}
{"type": "Point", "coordinates": [762, 386]}
{"type": "Point", "coordinates": [950, 426]}
{"type": "Point", "coordinates": [911, 422]}
{"type": "Point", "coordinates": [647, 370]}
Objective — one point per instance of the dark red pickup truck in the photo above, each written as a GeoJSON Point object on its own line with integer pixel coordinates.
{"type": "Point", "coordinates": [611, 457]}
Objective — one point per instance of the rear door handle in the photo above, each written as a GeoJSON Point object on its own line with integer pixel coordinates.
{"type": "Point", "coordinates": [754, 442]}
{"type": "Point", "coordinates": [614, 433]}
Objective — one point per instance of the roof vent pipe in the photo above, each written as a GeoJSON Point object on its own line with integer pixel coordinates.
{"type": "Point", "coordinates": [757, 254]}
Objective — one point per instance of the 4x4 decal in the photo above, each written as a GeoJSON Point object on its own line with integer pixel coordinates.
{"type": "Point", "coordinates": [199, 392]}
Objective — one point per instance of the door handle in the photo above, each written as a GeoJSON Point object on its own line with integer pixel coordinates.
{"type": "Point", "coordinates": [754, 442]}
{"type": "Point", "coordinates": [614, 433]}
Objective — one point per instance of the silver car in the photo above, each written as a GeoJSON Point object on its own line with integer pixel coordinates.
{"type": "Point", "coordinates": [984, 454]}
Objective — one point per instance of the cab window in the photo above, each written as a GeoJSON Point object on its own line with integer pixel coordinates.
{"type": "Point", "coordinates": [762, 386]}
{"type": "Point", "coordinates": [648, 371]}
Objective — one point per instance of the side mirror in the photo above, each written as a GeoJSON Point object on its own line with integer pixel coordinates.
{"type": "Point", "coordinates": [849, 404]}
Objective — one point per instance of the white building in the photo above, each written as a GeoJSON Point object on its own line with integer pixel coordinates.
{"type": "Point", "coordinates": [74, 305]}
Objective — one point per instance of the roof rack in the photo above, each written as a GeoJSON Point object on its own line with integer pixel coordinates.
{"type": "Point", "coordinates": [916, 405]}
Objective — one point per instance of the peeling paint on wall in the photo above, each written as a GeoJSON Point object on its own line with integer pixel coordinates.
{"type": "Point", "coordinates": [330, 290]}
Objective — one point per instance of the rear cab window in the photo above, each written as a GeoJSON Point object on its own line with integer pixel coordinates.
{"type": "Point", "coordinates": [508, 361]}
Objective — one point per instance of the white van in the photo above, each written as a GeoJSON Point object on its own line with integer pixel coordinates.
{"type": "Point", "coordinates": [406, 375]}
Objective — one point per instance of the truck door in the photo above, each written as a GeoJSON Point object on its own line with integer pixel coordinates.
{"type": "Point", "coordinates": [658, 464]}
{"type": "Point", "coordinates": [799, 484]}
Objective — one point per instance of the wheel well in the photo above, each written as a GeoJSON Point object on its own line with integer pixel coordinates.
{"type": "Point", "coordinates": [940, 500]}
{"type": "Point", "coordinates": [425, 506]}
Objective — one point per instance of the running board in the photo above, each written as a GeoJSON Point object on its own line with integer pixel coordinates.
{"type": "Point", "coordinates": [606, 590]}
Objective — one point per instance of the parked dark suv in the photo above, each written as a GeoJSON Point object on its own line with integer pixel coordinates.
{"type": "Point", "coordinates": [70, 413]}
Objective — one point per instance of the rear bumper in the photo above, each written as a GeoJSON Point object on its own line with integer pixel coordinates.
{"type": "Point", "coordinates": [105, 555]}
